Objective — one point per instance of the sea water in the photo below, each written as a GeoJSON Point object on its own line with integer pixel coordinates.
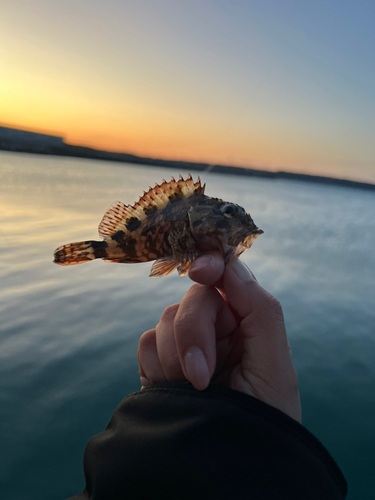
{"type": "Point", "coordinates": [69, 335]}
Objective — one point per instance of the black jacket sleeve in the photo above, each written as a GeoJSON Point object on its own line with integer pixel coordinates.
{"type": "Point", "coordinates": [171, 441]}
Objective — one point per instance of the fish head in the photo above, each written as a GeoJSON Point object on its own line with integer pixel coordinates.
{"type": "Point", "coordinates": [223, 225]}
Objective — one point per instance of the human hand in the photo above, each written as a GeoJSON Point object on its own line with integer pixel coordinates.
{"type": "Point", "coordinates": [227, 330]}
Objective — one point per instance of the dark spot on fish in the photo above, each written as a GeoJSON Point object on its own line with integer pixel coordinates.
{"type": "Point", "coordinates": [197, 222]}
{"type": "Point", "coordinates": [133, 224]}
{"type": "Point", "coordinates": [96, 245]}
{"type": "Point", "coordinates": [118, 236]}
{"type": "Point", "coordinates": [99, 248]}
{"type": "Point", "coordinates": [128, 247]}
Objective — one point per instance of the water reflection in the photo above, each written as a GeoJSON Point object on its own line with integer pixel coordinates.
{"type": "Point", "coordinates": [69, 334]}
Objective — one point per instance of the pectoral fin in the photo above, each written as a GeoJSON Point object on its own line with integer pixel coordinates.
{"type": "Point", "coordinates": [183, 269]}
{"type": "Point", "coordinates": [163, 267]}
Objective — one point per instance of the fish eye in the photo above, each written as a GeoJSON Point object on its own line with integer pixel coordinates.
{"type": "Point", "coordinates": [229, 210]}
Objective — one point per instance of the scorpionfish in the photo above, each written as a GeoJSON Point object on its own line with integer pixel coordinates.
{"type": "Point", "coordinates": [173, 224]}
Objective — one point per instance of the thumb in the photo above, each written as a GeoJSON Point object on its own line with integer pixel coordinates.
{"type": "Point", "coordinates": [241, 287]}
{"type": "Point", "coordinates": [266, 369]}
{"type": "Point", "coordinates": [262, 326]}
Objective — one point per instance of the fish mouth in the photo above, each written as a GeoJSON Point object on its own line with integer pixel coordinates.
{"type": "Point", "coordinates": [249, 240]}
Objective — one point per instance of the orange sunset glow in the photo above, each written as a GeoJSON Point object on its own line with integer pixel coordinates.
{"type": "Point", "coordinates": [194, 81]}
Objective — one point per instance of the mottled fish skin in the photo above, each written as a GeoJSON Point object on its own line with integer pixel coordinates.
{"type": "Point", "coordinates": [172, 223]}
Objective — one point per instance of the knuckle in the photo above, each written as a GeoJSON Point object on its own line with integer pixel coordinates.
{"type": "Point", "coordinates": [196, 288]}
{"type": "Point", "coordinates": [146, 339]}
{"type": "Point", "coordinates": [275, 306]}
{"type": "Point", "coordinates": [169, 313]}
{"type": "Point", "coordinates": [146, 342]}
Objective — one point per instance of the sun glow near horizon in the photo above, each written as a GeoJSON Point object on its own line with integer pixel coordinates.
{"type": "Point", "coordinates": [198, 82]}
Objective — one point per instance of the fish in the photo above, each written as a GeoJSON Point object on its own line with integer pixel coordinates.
{"type": "Point", "coordinates": [172, 224]}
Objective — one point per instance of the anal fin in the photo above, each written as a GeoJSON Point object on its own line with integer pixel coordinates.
{"type": "Point", "coordinates": [163, 267]}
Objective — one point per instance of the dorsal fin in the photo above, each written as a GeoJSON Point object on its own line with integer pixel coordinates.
{"type": "Point", "coordinates": [118, 216]}
{"type": "Point", "coordinates": [113, 219]}
{"type": "Point", "coordinates": [159, 196]}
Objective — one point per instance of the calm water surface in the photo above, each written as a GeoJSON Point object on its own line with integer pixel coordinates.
{"type": "Point", "coordinates": [69, 335]}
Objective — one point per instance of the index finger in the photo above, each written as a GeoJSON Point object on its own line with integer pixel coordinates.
{"type": "Point", "coordinates": [202, 318]}
{"type": "Point", "coordinates": [263, 329]}
{"type": "Point", "coordinates": [208, 269]}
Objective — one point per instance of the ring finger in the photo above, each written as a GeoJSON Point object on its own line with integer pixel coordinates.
{"type": "Point", "coordinates": [166, 344]}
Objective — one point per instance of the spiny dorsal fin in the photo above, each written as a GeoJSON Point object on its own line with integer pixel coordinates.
{"type": "Point", "coordinates": [159, 196]}
{"type": "Point", "coordinates": [118, 216]}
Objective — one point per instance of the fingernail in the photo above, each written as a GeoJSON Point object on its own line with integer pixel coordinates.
{"type": "Point", "coordinates": [196, 368]}
{"type": "Point", "coordinates": [201, 263]}
{"type": "Point", "coordinates": [240, 269]}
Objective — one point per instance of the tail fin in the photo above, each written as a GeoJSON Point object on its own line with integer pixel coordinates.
{"type": "Point", "coordinates": [77, 253]}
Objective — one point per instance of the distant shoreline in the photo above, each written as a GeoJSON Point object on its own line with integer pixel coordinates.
{"type": "Point", "coordinates": [27, 142]}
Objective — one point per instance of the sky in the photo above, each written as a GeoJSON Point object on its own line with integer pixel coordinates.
{"type": "Point", "coordinates": [270, 84]}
